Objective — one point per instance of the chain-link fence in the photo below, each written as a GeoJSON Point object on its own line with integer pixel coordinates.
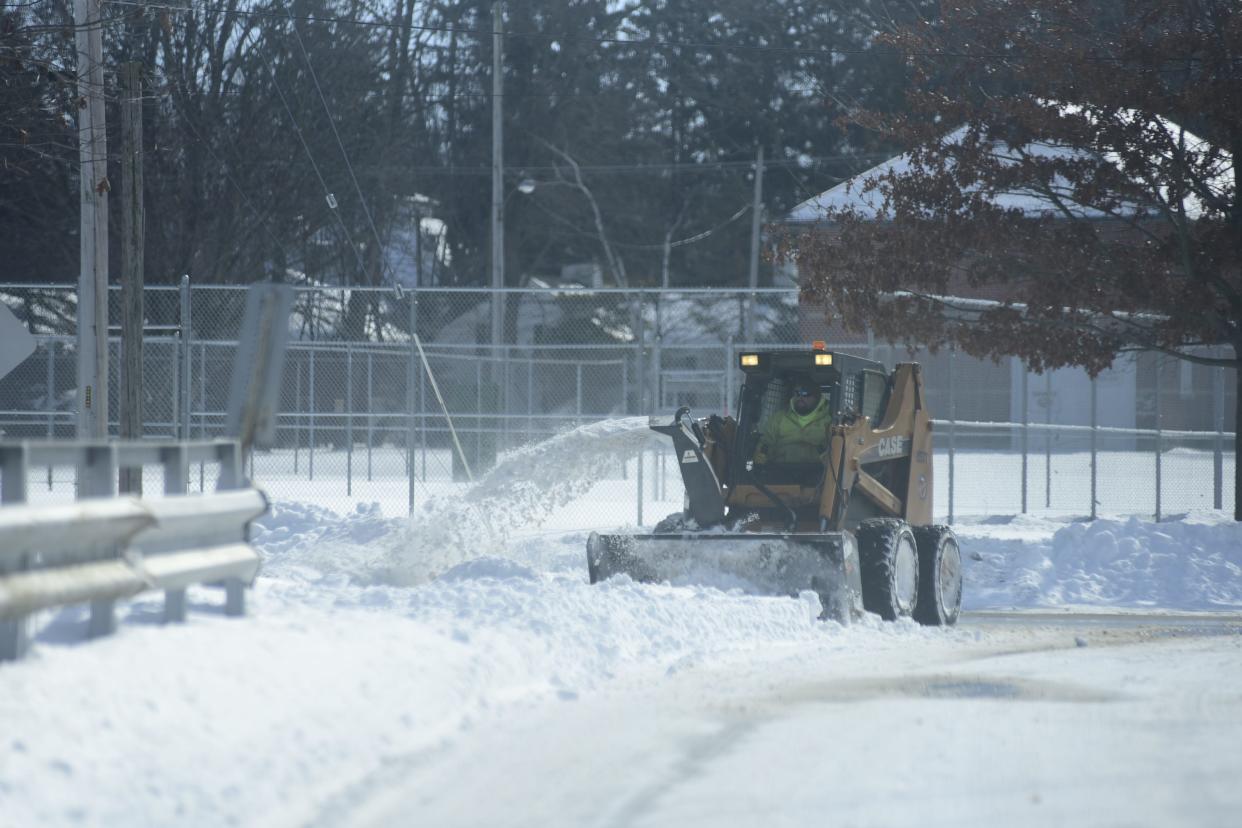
{"type": "Point", "coordinates": [362, 421]}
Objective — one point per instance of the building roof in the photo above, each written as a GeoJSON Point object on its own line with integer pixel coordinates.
{"type": "Point", "coordinates": [850, 194]}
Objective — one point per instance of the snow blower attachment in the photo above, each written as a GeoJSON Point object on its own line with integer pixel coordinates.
{"type": "Point", "coordinates": [831, 493]}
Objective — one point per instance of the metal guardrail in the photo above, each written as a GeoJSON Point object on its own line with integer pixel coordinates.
{"type": "Point", "coordinates": [104, 548]}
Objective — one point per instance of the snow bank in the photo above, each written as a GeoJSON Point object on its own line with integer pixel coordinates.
{"type": "Point", "coordinates": [1193, 562]}
{"type": "Point", "coordinates": [272, 719]}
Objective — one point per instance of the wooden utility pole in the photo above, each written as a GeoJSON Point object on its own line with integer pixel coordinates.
{"type": "Point", "coordinates": [133, 225]}
{"type": "Point", "coordinates": [92, 338]}
{"type": "Point", "coordinates": [498, 179]}
{"type": "Point", "coordinates": [756, 222]}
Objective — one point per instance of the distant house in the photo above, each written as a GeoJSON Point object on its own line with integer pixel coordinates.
{"type": "Point", "coordinates": [992, 392]}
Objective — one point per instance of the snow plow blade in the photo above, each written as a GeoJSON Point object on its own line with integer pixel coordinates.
{"type": "Point", "coordinates": [758, 563]}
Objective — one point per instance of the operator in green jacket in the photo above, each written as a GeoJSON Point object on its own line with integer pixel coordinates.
{"type": "Point", "coordinates": [798, 434]}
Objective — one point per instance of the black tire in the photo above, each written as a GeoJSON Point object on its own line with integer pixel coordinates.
{"type": "Point", "coordinates": [674, 524]}
{"type": "Point", "coordinates": [940, 576]}
{"type": "Point", "coordinates": [889, 559]}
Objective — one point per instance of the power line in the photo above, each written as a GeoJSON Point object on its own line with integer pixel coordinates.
{"type": "Point", "coordinates": [645, 43]}
{"type": "Point", "coordinates": [379, 246]}
{"type": "Point", "coordinates": [331, 199]}
{"type": "Point", "coordinates": [697, 237]}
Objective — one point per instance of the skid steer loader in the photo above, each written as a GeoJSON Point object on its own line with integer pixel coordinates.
{"type": "Point", "coordinates": [852, 524]}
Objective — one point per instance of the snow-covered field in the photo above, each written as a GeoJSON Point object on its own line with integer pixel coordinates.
{"type": "Point", "coordinates": [457, 669]}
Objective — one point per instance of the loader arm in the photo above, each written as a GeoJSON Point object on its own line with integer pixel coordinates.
{"type": "Point", "coordinates": [703, 489]}
{"type": "Point", "coordinates": [889, 465]}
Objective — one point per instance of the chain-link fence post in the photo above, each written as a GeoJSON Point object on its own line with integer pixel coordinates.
{"type": "Point", "coordinates": [349, 419]}
{"type": "Point", "coordinates": [187, 333]}
{"type": "Point", "coordinates": [202, 409]}
{"type": "Point", "coordinates": [530, 394]}
{"type": "Point", "coordinates": [410, 367]}
{"type": "Point", "coordinates": [1095, 431]}
{"type": "Point", "coordinates": [297, 417]}
{"type": "Point", "coordinates": [1159, 436]}
{"type": "Point", "coordinates": [310, 414]}
{"type": "Point", "coordinates": [578, 393]}
{"type": "Point", "coordinates": [657, 369]}
{"type": "Point", "coordinates": [952, 425]}
{"type": "Point", "coordinates": [1047, 439]}
{"type": "Point", "coordinates": [422, 424]}
{"type": "Point", "coordinates": [370, 410]}
{"type": "Point", "coordinates": [642, 393]}
{"type": "Point", "coordinates": [1218, 446]}
{"type": "Point", "coordinates": [1026, 427]}
{"type": "Point", "coordinates": [50, 403]}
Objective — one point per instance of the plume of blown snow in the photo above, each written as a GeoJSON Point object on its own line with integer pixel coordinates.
{"type": "Point", "coordinates": [522, 491]}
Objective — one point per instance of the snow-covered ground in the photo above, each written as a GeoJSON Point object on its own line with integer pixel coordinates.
{"type": "Point", "coordinates": [456, 668]}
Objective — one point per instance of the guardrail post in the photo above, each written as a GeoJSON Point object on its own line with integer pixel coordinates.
{"type": "Point", "coordinates": [96, 475]}
{"type": "Point", "coordinates": [13, 469]}
{"type": "Point", "coordinates": [231, 476]}
{"type": "Point", "coordinates": [14, 632]}
{"type": "Point", "coordinates": [96, 471]}
{"type": "Point", "coordinates": [174, 606]}
{"type": "Point", "coordinates": [176, 469]}
{"type": "Point", "coordinates": [1218, 449]}
{"type": "Point", "coordinates": [14, 638]}
{"type": "Point", "coordinates": [1095, 431]}
{"type": "Point", "coordinates": [234, 597]}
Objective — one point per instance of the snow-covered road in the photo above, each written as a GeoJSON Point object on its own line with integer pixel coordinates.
{"type": "Point", "coordinates": [1008, 721]}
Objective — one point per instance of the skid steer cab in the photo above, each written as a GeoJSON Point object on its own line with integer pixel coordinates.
{"type": "Point", "coordinates": [823, 482]}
